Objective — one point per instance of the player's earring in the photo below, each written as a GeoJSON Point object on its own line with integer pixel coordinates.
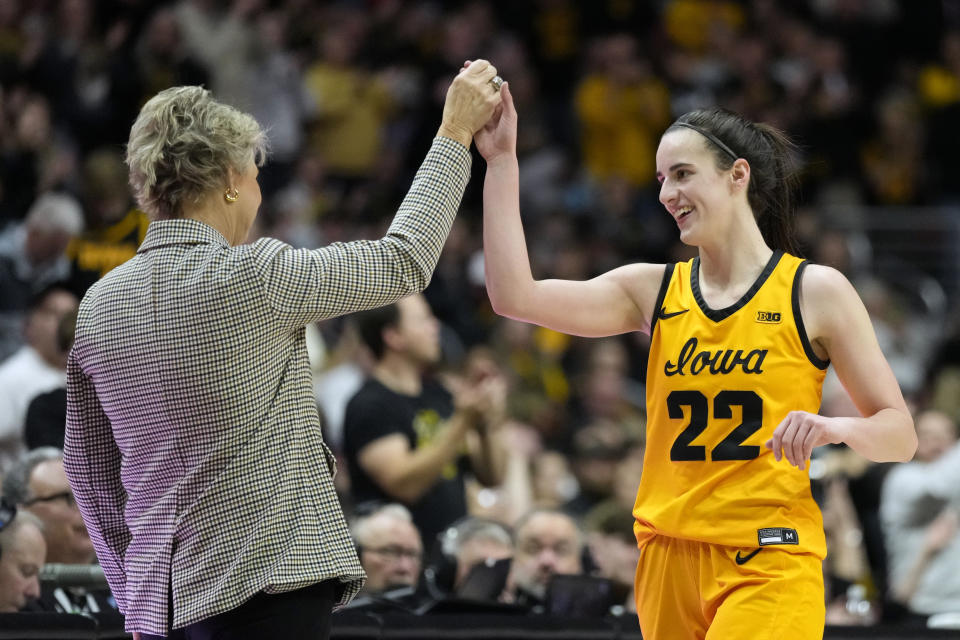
{"type": "Point", "coordinates": [231, 195]}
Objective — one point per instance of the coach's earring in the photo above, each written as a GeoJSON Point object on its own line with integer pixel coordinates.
{"type": "Point", "coordinates": [231, 195]}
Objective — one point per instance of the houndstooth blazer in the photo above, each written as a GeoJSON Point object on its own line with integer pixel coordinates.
{"type": "Point", "coordinates": [193, 441]}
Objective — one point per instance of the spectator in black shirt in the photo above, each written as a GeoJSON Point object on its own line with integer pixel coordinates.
{"type": "Point", "coordinates": [46, 420]}
{"type": "Point", "coordinates": [409, 439]}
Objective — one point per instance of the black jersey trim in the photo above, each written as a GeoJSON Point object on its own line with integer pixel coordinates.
{"type": "Point", "coordinates": [721, 314]}
{"type": "Point", "coordinates": [798, 319]}
{"type": "Point", "coordinates": [664, 285]}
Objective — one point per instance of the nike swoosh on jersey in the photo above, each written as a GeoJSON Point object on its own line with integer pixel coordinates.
{"type": "Point", "coordinates": [745, 559]}
{"type": "Point", "coordinates": [664, 315]}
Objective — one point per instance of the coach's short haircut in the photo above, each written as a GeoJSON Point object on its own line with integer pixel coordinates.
{"type": "Point", "coordinates": [183, 145]}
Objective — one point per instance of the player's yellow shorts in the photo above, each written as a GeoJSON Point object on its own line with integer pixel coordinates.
{"type": "Point", "coordinates": [690, 590]}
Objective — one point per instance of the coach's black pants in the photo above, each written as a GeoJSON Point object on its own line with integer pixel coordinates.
{"type": "Point", "coordinates": [303, 614]}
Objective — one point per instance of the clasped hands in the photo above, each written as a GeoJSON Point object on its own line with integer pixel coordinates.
{"type": "Point", "coordinates": [479, 107]}
{"type": "Point", "coordinates": [471, 101]}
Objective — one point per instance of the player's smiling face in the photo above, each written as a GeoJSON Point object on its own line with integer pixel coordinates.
{"type": "Point", "coordinates": [693, 189]}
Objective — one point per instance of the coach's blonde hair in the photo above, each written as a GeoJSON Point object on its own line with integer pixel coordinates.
{"type": "Point", "coordinates": [182, 145]}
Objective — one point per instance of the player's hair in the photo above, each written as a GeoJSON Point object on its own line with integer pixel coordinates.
{"type": "Point", "coordinates": [773, 167]}
{"type": "Point", "coordinates": [182, 145]}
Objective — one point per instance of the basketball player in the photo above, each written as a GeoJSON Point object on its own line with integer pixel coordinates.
{"type": "Point", "coordinates": [731, 540]}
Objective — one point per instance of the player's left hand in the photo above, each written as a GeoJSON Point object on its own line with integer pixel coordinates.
{"type": "Point", "coordinates": [797, 435]}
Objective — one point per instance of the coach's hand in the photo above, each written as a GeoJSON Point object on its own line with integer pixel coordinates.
{"type": "Point", "coordinates": [797, 435]}
{"type": "Point", "coordinates": [470, 102]}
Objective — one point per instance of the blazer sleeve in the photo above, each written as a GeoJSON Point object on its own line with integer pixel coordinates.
{"type": "Point", "coordinates": [304, 285]}
{"type": "Point", "coordinates": [91, 460]}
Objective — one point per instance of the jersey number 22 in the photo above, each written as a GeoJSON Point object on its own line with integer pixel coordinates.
{"type": "Point", "coordinates": [731, 447]}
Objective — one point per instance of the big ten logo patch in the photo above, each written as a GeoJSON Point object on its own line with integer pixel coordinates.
{"type": "Point", "coordinates": [427, 424]}
{"type": "Point", "coordinates": [768, 317]}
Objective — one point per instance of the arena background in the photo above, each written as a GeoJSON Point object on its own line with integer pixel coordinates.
{"type": "Point", "coordinates": [351, 94]}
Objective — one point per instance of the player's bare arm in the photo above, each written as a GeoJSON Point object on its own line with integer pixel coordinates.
{"type": "Point", "coordinates": [618, 301]}
{"type": "Point", "coordinates": [840, 331]}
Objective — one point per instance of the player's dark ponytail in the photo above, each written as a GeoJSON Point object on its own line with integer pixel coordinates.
{"type": "Point", "coordinates": [773, 167]}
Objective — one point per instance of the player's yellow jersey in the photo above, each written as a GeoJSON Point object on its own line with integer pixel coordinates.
{"type": "Point", "coordinates": [718, 384]}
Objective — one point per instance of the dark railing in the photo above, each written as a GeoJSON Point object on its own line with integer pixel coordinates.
{"type": "Point", "coordinates": [396, 626]}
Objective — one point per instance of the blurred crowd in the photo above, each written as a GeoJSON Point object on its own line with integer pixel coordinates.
{"type": "Point", "coordinates": [350, 92]}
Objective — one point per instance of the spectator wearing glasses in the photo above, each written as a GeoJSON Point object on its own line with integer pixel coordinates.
{"type": "Point", "coordinates": [37, 483]}
{"type": "Point", "coordinates": [22, 552]}
{"type": "Point", "coordinates": [389, 547]}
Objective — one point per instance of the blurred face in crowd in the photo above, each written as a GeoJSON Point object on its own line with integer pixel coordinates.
{"type": "Point", "coordinates": [391, 553]}
{"type": "Point", "coordinates": [106, 198]}
{"type": "Point", "coordinates": [417, 332]}
{"type": "Point", "coordinates": [44, 246]}
{"type": "Point", "coordinates": [163, 34]}
{"type": "Point", "coordinates": [546, 544]}
{"type": "Point", "coordinates": [52, 501]}
{"type": "Point", "coordinates": [33, 124]}
{"type": "Point", "coordinates": [553, 481]}
{"type": "Point", "coordinates": [936, 433]}
{"type": "Point", "coordinates": [598, 448]}
{"type": "Point", "coordinates": [43, 325]}
{"type": "Point", "coordinates": [477, 550]}
{"type": "Point", "coordinates": [23, 555]}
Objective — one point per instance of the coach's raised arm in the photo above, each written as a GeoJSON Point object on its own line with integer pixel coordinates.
{"type": "Point", "coordinates": [193, 444]}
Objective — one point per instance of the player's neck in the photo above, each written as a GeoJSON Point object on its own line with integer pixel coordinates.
{"type": "Point", "coordinates": [736, 261]}
{"type": "Point", "coordinates": [399, 374]}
